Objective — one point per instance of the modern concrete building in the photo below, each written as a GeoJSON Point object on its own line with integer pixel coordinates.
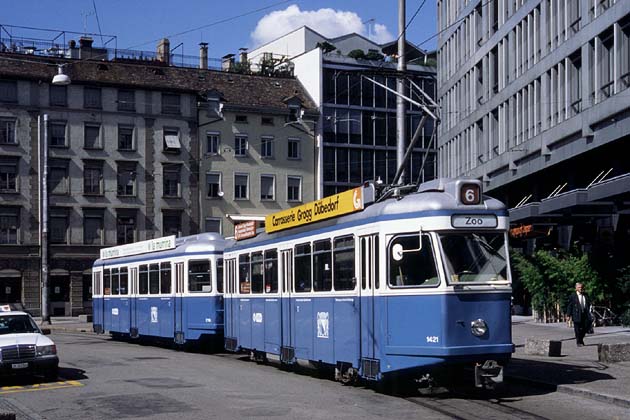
{"type": "Point", "coordinates": [132, 151]}
{"type": "Point", "coordinates": [535, 101]}
{"type": "Point", "coordinates": [356, 135]}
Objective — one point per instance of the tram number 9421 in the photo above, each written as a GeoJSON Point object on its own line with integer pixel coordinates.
{"type": "Point", "coordinates": [433, 339]}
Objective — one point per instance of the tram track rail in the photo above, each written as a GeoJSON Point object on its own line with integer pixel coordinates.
{"type": "Point", "coordinates": [461, 405]}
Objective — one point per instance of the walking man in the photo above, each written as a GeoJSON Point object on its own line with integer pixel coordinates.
{"type": "Point", "coordinates": [579, 309]}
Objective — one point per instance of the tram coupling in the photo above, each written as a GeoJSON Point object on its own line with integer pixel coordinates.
{"type": "Point", "coordinates": [489, 374]}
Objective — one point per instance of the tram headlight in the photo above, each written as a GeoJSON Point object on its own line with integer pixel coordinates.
{"type": "Point", "coordinates": [478, 327]}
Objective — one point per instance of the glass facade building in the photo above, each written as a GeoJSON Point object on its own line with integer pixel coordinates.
{"type": "Point", "coordinates": [359, 124]}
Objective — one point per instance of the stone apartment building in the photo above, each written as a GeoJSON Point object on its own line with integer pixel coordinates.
{"type": "Point", "coordinates": [128, 161]}
{"type": "Point", "coordinates": [257, 155]}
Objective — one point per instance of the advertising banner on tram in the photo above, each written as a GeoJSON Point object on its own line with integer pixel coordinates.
{"type": "Point", "coordinates": [332, 206]}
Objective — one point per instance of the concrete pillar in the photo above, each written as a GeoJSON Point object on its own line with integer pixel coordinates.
{"type": "Point", "coordinates": [544, 18]}
{"type": "Point", "coordinates": [617, 36]}
{"type": "Point", "coordinates": [544, 99]}
{"type": "Point", "coordinates": [587, 71]}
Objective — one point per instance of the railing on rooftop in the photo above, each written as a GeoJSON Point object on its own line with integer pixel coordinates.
{"type": "Point", "coordinates": [43, 48]}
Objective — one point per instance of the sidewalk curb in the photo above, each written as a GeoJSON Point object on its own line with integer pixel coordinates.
{"type": "Point", "coordinates": [620, 402]}
{"type": "Point", "coordinates": [73, 330]}
{"type": "Point", "coordinates": [572, 390]}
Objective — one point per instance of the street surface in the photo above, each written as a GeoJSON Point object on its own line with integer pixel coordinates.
{"type": "Point", "coordinates": [105, 379]}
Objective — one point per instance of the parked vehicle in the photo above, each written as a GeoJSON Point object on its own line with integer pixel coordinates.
{"type": "Point", "coordinates": [24, 347]}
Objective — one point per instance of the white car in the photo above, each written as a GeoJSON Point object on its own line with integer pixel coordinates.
{"type": "Point", "coordinates": [24, 349]}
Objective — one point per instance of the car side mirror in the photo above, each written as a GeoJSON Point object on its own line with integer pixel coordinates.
{"type": "Point", "coordinates": [46, 331]}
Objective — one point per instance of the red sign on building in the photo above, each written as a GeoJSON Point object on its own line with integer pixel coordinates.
{"type": "Point", "coordinates": [245, 230]}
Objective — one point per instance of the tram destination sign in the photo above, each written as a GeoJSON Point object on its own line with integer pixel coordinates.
{"type": "Point", "coordinates": [142, 247]}
{"type": "Point", "coordinates": [474, 221]}
{"type": "Point", "coordinates": [335, 205]}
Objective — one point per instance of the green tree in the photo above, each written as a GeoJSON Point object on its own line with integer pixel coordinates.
{"type": "Point", "coordinates": [326, 46]}
{"type": "Point", "coordinates": [374, 55]}
{"type": "Point", "coordinates": [357, 54]}
{"type": "Point", "coordinates": [623, 285]}
{"type": "Point", "coordinates": [550, 278]}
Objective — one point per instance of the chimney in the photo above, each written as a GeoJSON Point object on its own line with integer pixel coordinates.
{"type": "Point", "coordinates": [227, 62]}
{"type": "Point", "coordinates": [73, 51]}
{"type": "Point", "coordinates": [85, 47]}
{"type": "Point", "coordinates": [85, 42]}
{"type": "Point", "coordinates": [242, 55]}
{"type": "Point", "coordinates": [164, 51]}
{"type": "Point", "coordinates": [203, 55]}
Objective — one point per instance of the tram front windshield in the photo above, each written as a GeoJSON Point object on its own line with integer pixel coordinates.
{"type": "Point", "coordinates": [475, 257]}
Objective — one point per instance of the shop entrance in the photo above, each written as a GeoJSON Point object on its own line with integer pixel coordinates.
{"type": "Point", "coordinates": [59, 292]}
{"type": "Point", "coordinates": [10, 289]}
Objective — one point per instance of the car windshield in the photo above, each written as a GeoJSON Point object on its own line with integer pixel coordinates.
{"type": "Point", "coordinates": [475, 257]}
{"type": "Point", "coordinates": [15, 324]}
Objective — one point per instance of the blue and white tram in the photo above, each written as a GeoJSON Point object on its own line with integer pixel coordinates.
{"type": "Point", "coordinates": [410, 283]}
{"type": "Point", "coordinates": [164, 288]}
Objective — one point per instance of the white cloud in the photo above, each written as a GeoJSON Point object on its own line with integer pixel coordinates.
{"type": "Point", "coordinates": [328, 22]}
{"type": "Point", "coordinates": [381, 34]}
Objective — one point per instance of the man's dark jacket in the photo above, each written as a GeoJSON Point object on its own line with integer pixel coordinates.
{"type": "Point", "coordinates": [575, 310]}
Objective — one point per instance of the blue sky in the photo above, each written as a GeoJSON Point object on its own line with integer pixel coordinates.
{"type": "Point", "coordinates": [139, 24]}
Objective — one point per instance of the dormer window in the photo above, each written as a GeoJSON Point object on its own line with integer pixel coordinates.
{"type": "Point", "coordinates": [214, 106]}
{"type": "Point", "coordinates": [294, 113]}
{"type": "Point", "coordinates": [240, 119]}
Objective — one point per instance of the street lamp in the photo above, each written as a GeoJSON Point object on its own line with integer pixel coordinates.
{"type": "Point", "coordinates": [43, 215]}
{"type": "Point", "coordinates": [61, 79]}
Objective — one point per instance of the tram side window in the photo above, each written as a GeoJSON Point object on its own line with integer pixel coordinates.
{"type": "Point", "coordinates": [257, 272]}
{"type": "Point", "coordinates": [302, 264]}
{"type": "Point", "coordinates": [243, 274]}
{"type": "Point", "coordinates": [154, 279]}
{"type": "Point", "coordinates": [322, 266]}
{"type": "Point", "coordinates": [363, 249]}
{"type": "Point", "coordinates": [220, 275]}
{"type": "Point", "coordinates": [199, 276]}
{"type": "Point", "coordinates": [124, 281]}
{"type": "Point", "coordinates": [115, 282]}
{"type": "Point", "coordinates": [143, 280]}
{"type": "Point", "coordinates": [271, 271]}
{"type": "Point", "coordinates": [376, 264]}
{"type": "Point", "coordinates": [230, 285]}
{"type": "Point", "coordinates": [107, 282]}
{"type": "Point", "coordinates": [344, 263]}
{"type": "Point", "coordinates": [96, 287]}
{"type": "Point", "coordinates": [412, 265]}
{"type": "Point", "coordinates": [165, 278]}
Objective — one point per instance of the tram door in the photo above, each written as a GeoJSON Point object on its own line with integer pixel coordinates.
{"type": "Point", "coordinates": [98, 308]}
{"type": "Point", "coordinates": [287, 352]}
{"type": "Point", "coordinates": [132, 288]}
{"type": "Point", "coordinates": [368, 266]}
{"type": "Point", "coordinates": [179, 303]}
{"type": "Point", "coordinates": [231, 321]}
